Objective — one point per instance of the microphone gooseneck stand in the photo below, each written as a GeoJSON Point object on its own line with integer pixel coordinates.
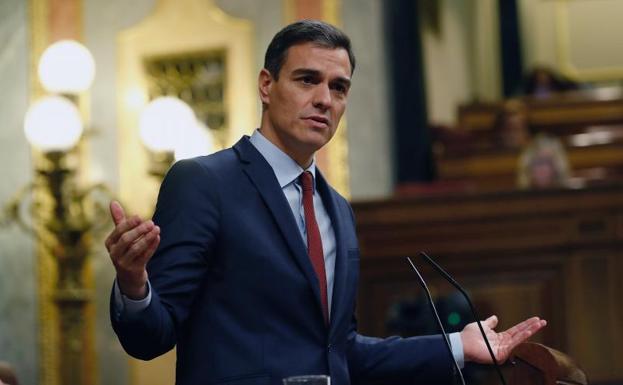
{"type": "Point", "coordinates": [449, 278]}
{"type": "Point", "coordinates": [443, 331]}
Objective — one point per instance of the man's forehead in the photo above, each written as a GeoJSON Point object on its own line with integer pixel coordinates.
{"type": "Point", "coordinates": [299, 55]}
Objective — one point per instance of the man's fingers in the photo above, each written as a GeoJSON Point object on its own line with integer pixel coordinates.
{"type": "Point", "coordinates": [150, 250]}
{"type": "Point", "coordinates": [127, 239]}
{"type": "Point", "coordinates": [531, 323]}
{"type": "Point", "coordinates": [139, 252]}
{"type": "Point", "coordinates": [123, 227]}
{"type": "Point", "coordinates": [491, 322]}
{"type": "Point", "coordinates": [524, 330]}
{"type": "Point", "coordinates": [116, 211]}
{"type": "Point", "coordinates": [120, 228]}
{"type": "Point", "coordinates": [532, 327]}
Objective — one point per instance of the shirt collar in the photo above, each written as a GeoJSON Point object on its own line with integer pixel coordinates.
{"type": "Point", "coordinates": [285, 168]}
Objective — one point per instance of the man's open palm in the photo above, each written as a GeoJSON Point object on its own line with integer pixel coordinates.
{"type": "Point", "coordinates": [502, 343]}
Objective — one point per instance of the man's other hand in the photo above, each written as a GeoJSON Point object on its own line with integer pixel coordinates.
{"type": "Point", "coordinates": [130, 246]}
{"type": "Point", "coordinates": [502, 343]}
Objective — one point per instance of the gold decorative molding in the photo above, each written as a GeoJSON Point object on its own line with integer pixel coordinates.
{"type": "Point", "coordinates": [331, 10]}
{"type": "Point", "coordinates": [563, 51]}
{"type": "Point", "coordinates": [199, 26]}
{"type": "Point", "coordinates": [197, 78]}
{"type": "Point", "coordinates": [46, 268]}
{"type": "Point", "coordinates": [288, 11]}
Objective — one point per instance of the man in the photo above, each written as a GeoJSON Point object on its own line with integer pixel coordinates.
{"type": "Point", "coordinates": [255, 270]}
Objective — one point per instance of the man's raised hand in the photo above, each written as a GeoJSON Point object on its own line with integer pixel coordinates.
{"type": "Point", "coordinates": [130, 245]}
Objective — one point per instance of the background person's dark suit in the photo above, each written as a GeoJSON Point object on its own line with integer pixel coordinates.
{"type": "Point", "coordinates": [233, 286]}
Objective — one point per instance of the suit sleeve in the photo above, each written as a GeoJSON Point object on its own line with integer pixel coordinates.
{"type": "Point", "coordinates": [188, 215]}
{"type": "Point", "coordinates": [397, 360]}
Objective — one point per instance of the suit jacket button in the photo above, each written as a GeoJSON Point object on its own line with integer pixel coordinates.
{"type": "Point", "coordinates": [329, 347]}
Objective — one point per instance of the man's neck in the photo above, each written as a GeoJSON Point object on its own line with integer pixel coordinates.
{"type": "Point", "coordinates": [302, 160]}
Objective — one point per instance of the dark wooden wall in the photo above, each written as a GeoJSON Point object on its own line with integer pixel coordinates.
{"type": "Point", "coordinates": [557, 254]}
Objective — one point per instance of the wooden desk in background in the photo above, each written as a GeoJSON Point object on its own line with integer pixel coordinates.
{"type": "Point", "coordinates": [562, 115]}
{"type": "Point", "coordinates": [589, 123]}
{"type": "Point", "coordinates": [557, 254]}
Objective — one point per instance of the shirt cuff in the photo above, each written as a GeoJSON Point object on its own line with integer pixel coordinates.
{"type": "Point", "coordinates": [457, 348]}
{"type": "Point", "coordinates": [127, 305]}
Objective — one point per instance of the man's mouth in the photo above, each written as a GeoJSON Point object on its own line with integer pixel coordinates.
{"type": "Point", "coordinates": [321, 120]}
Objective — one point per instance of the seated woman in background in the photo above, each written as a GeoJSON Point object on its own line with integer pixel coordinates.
{"type": "Point", "coordinates": [543, 164]}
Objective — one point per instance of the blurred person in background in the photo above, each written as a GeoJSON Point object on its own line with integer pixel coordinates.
{"type": "Point", "coordinates": [510, 127]}
{"type": "Point", "coordinates": [543, 164]}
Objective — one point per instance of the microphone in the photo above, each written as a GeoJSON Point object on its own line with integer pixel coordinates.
{"type": "Point", "coordinates": [471, 307]}
{"type": "Point", "coordinates": [443, 331]}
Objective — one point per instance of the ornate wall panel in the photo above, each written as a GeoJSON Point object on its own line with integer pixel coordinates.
{"type": "Point", "coordinates": [176, 35]}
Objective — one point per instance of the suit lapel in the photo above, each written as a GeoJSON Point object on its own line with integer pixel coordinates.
{"type": "Point", "coordinates": [262, 176]}
{"type": "Point", "coordinates": [339, 277]}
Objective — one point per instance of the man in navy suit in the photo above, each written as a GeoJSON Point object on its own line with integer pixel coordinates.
{"type": "Point", "coordinates": [250, 265]}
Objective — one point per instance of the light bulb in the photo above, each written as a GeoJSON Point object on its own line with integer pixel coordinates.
{"type": "Point", "coordinates": [163, 122]}
{"type": "Point", "coordinates": [66, 67]}
{"type": "Point", "coordinates": [53, 123]}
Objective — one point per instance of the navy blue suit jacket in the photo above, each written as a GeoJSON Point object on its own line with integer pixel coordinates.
{"type": "Point", "coordinates": [234, 289]}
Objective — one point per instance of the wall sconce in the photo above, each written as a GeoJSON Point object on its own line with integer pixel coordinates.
{"type": "Point", "coordinates": [65, 217]}
{"type": "Point", "coordinates": [170, 131]}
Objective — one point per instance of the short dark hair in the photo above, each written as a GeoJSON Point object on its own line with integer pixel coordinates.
{"type": "Point", "coordinates": [305, 31]}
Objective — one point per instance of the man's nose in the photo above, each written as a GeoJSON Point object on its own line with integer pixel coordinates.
{"type": "Point", "coordinates": [322, 97]}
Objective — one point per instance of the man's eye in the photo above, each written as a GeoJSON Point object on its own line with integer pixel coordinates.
{"type": "Point", "coordinates": [340, 88]}
{"type": "Point", "coordinates": [307, 80]}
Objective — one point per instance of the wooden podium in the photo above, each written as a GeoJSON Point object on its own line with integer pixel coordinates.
{"type": "Point", "coordinates": [536, 364]}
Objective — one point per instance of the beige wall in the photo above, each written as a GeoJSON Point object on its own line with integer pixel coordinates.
{"type": "Point", "coordinates": [368, 115]}
{"type": "Point", "coordinates": [18, 296]}
{"type": "Point", "coordinates": [447, 61]}
{"type": "Point", "coordinates": [579, 38]}
{"type": "Point", "coordinates": [461, 60]}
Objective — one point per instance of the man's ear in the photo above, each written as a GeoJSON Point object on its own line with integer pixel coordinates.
{"type": "Point", "coordinates": [265, 82]}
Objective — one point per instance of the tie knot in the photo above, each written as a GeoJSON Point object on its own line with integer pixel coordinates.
{"type": "Point", "coordinates": [307, 181]}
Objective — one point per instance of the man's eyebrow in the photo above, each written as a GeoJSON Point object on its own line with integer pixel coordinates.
{"type": "Point", "coordinates": [305, 71]}
{"type": "Point", "coordinates": [312, 72]}
{"type": "Point", "coordinates": [344, 81]}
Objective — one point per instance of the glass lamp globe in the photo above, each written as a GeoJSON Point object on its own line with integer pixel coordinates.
{"type": "Point", "coordinates": [163, 121]}
{"type": "Point", "coordinates": [195, 141]}
{"type": "Point", "coordinates": [66, 67]}
{"type": "Point", "coordinates": [53, 123]}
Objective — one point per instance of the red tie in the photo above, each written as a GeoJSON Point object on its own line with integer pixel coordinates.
{"type": "Point", "coordinates": [314, 242]}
